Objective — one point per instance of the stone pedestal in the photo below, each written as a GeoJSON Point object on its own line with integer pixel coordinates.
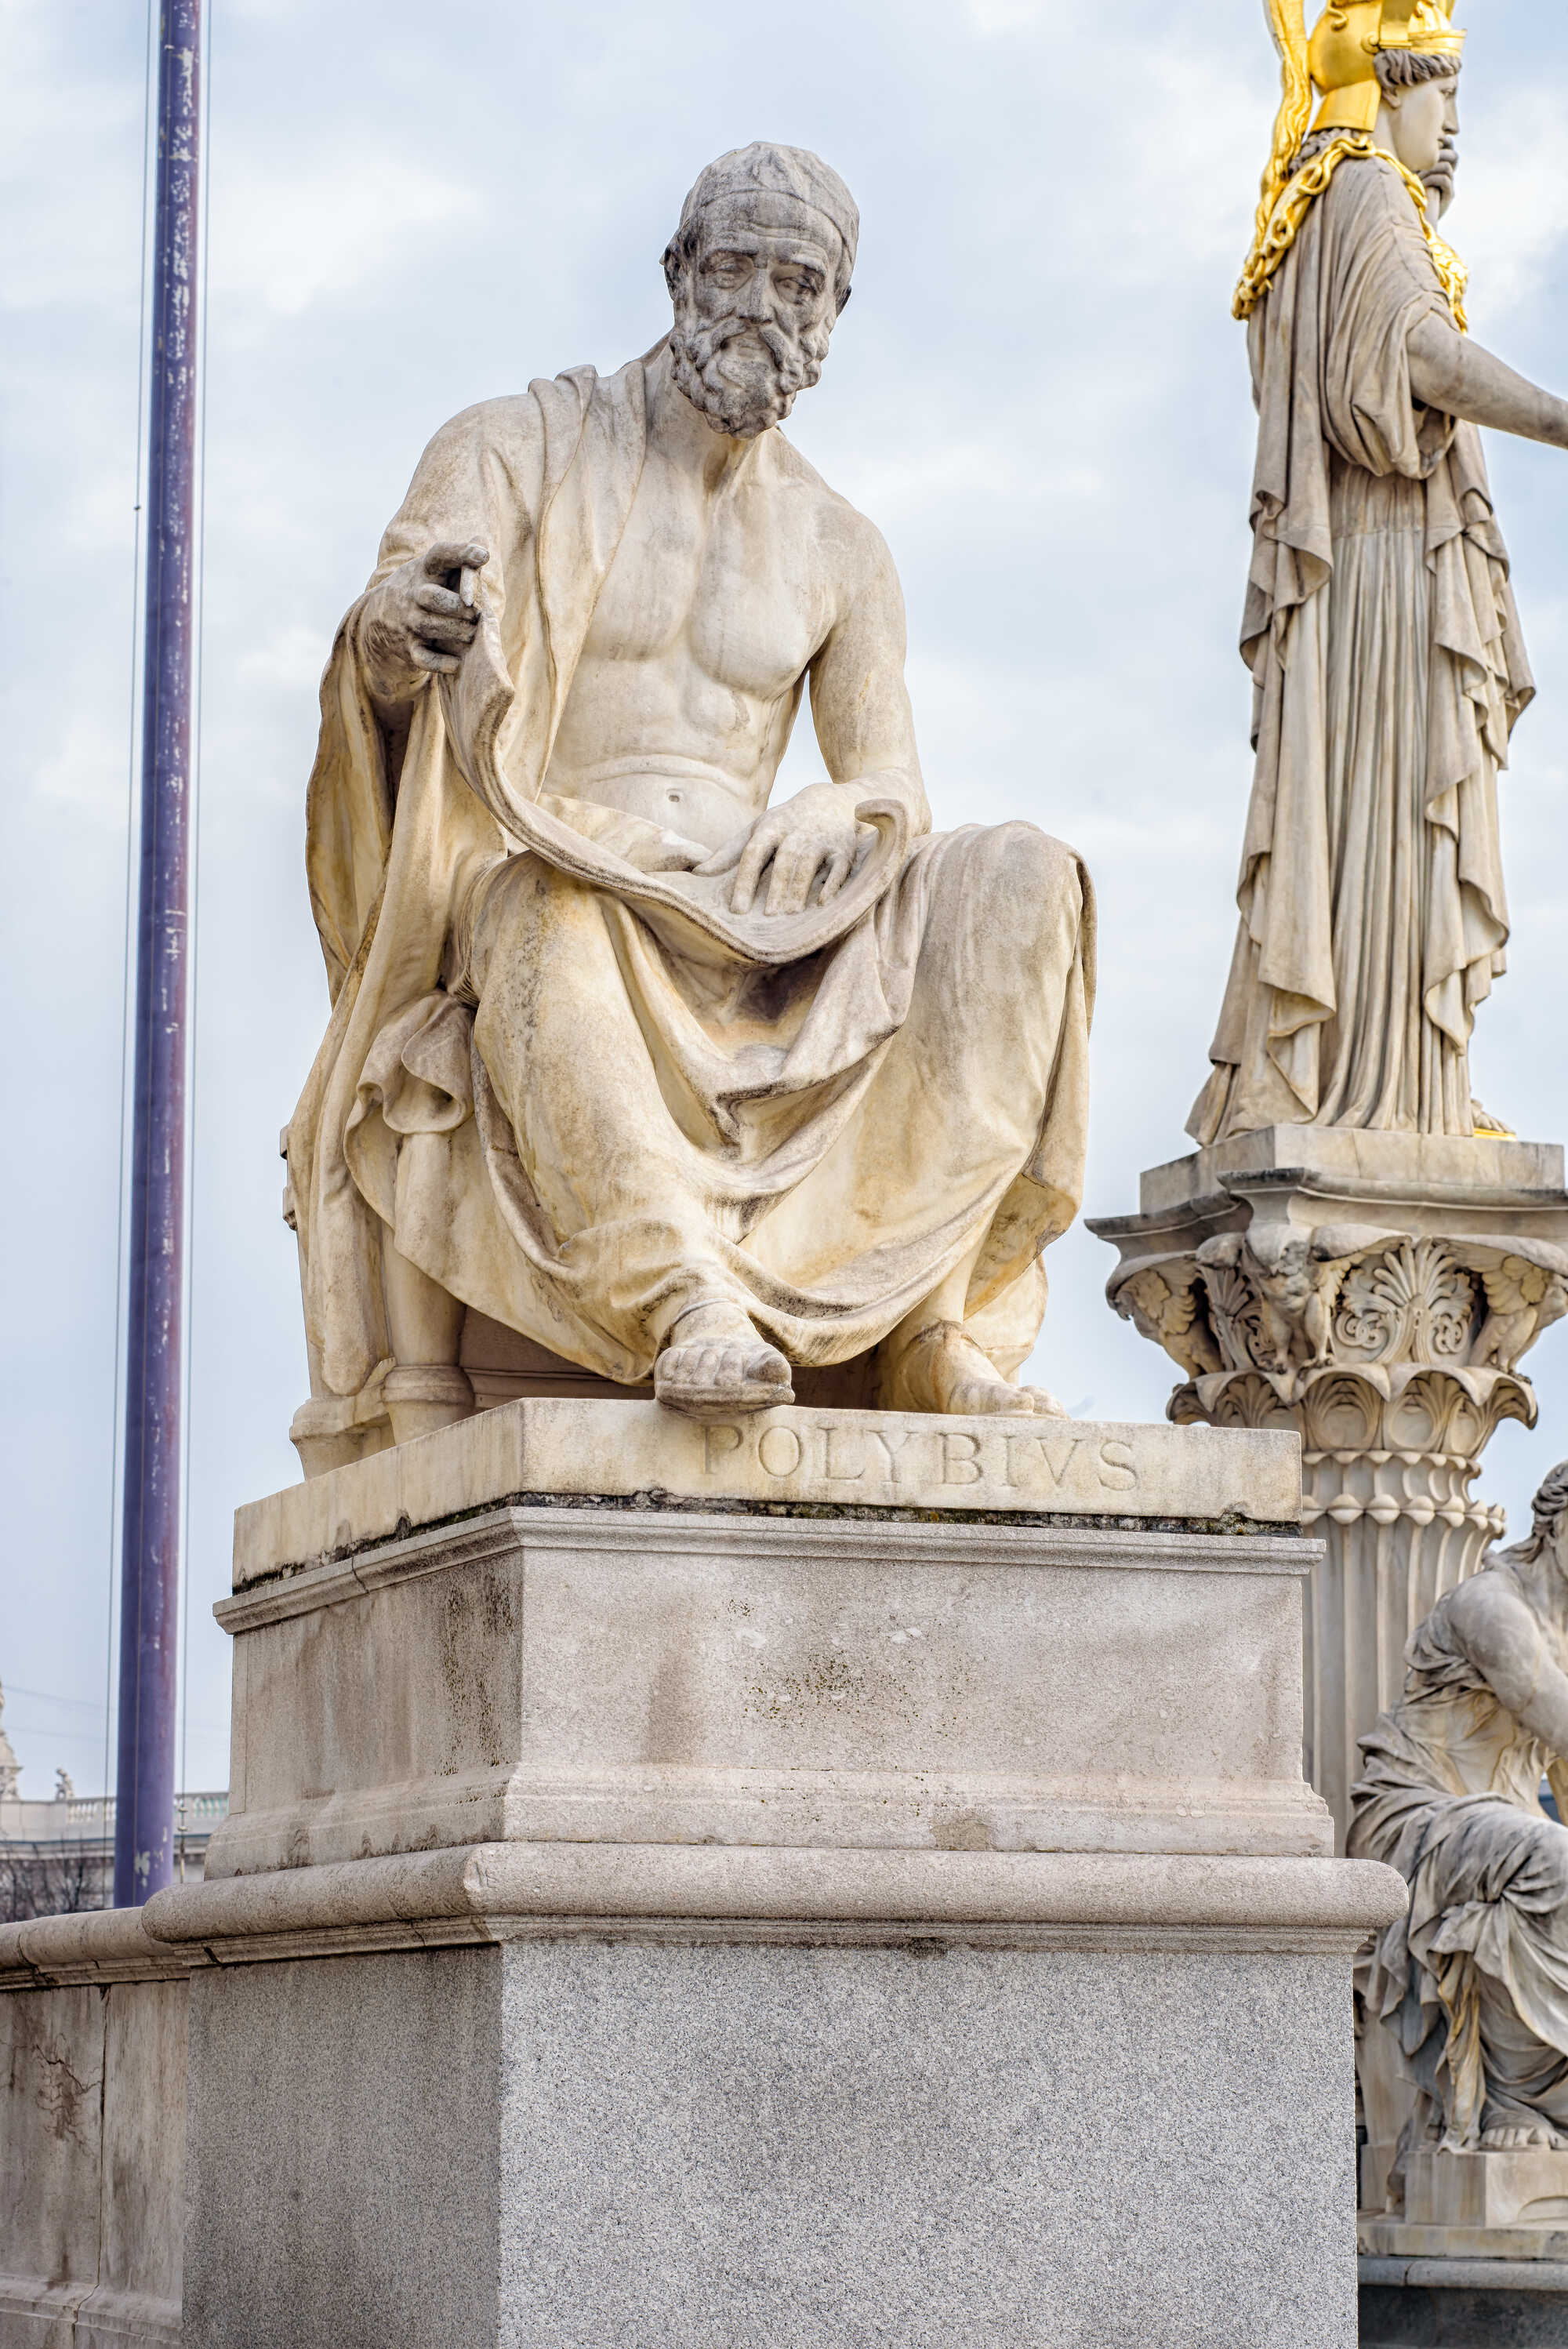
{"type": "Point", "coordinates": [1477, 2254]}
{"type": "Point", "coordinates": [92, 2136]}
{"type": "Point", "coordinates": [831, 1878]}
{"type": "Point", "coordinates": [1463, 2303]}
{"type": "Point", "coordinates": [1377, 1293]}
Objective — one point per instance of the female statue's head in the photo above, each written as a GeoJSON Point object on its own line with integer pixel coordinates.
{"type": "Point", "coordinates": [1548, 1535]}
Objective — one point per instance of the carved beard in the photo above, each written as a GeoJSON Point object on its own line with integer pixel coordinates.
{"type": "Point", "coordinates": [743, 394]}
{"type": "Point", "coordinates": [1439, 181]}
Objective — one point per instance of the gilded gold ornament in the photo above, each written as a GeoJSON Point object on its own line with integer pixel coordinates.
{"type": "Point", "coordinates": [1340, 60]}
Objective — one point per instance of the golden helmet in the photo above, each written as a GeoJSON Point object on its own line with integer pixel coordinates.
{"type": "Point", "coordinates": [1340, 63]}
{"type": "Point", "coordinates": [1341, 55]}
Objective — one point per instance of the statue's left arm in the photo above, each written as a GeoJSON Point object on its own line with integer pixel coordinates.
{"type": "Point", "coordinates": [860, 702]}
{"type": "Point", "coordinates": [1451, 372]}
{"type": "Point", "coordinates": [865, 730]}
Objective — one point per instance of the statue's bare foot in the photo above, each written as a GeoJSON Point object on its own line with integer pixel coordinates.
{"type": "Point", "coordinates": [942, 1370]}
{"type": "Point", "coordinates": [1516, 2137]}
{"type": "Point", "coordinates": [716, 1364]}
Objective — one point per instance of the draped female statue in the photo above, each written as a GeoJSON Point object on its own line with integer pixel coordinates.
{"type": "Point", "coordinates": [1379, 626]}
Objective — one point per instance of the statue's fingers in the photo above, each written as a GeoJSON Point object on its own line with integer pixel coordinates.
{"type": "Point", "coordinates": [451, 635]}
{"type": "Point", "coordinates": [764, 840]}
{"type": "Point", "coordinates": [794, 870]}
{"type": "Point", "coordinates": [431, 598]}
{"type": "Point", "coordinates": [426, 656]}
{"type": "Point", "coordinates": [454, 554]}
{"type": "Point", "coordinates": [837, 874]}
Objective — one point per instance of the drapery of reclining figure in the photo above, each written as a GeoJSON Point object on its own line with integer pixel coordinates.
{"type": "Point", "coordinates": [574, 1089]}
{"type": "Point", "coordinates": [1474, 1980]}
{"type": "Point", "coordinates": [1388, 672]}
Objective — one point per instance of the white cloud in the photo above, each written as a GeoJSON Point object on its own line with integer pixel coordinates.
{"type": "Point", "coordinates": [1510, 215]}
{"type": "Point", "coordinates": [991, 16]}
{"type": "Point", "coordinates": [290, 657]}
{"type": "Point", "coordinates": [90, 769]}
{"type": "Point", "coordinates": [285, 238]}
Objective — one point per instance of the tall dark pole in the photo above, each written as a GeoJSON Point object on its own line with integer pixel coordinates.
{"type": "Point", "coordinates": [149, 1556]}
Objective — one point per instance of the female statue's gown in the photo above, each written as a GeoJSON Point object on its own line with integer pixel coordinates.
{"type": "Point", "coordinates": [1387, 671]}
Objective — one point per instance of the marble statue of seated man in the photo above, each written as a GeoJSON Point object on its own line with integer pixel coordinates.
{"type": "Point", "coordinates": [1474, 1980]}
{"type": "Point", "coordinates": [666, 1078]}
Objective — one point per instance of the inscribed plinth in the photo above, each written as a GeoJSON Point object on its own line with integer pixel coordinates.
{"type": "Point", "coordinates": [665, 1902]}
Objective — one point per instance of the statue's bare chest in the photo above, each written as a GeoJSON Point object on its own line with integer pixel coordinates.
{"type": "Point", "coordinates": [731, 582]}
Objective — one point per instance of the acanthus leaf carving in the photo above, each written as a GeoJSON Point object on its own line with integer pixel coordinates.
{"type": "Point", "coordinates": [1412, 1303]}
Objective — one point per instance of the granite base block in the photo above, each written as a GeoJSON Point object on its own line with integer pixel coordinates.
{"type": "Point", "coordinates": [576, 2143]}
{"type": "Point", "coordinates": [344, 2154]}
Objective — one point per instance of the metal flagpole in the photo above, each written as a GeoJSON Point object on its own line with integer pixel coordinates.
{"type": "Point", "coordinates": [150, 1552]}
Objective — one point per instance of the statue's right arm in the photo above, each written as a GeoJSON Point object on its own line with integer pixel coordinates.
{"type": "Point", "coordinates": [1461, 378]}
{"type": "Point", "coordinates": [468, 509]}
{"type": "Point", "coordinates": [414, 622]}
{"type": "Point", "coordinates": [1499, 1635]}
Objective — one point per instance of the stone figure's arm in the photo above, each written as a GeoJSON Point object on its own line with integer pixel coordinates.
{"type": "Point", "coordinates": [1460, 377]}
{"type": "Point", "coordinates": [1501, 1636]}
{"type": "Point", "coordinates": [448, 553]}
{"type": "Point", "coordinates": [419, 622]}
{"type": "Point", "coordinates": [865, 731]}
{"type": "Point", "coordinates": [860, 703]}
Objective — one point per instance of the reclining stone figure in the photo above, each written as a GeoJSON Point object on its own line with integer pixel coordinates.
{"type": "Point", "coordinates": [1474, 1980]}
{"type": "Point", "coordinates": [667, 1079]}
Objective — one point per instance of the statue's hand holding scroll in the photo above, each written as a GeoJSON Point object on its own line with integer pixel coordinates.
{"type": "Point", "coordinates": [421, 619]}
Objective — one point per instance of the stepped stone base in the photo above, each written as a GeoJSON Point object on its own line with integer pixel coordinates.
{"type": "Point", "coordinates": [663, 1902]}
{"type": "Point", "coordinates": [1463, 2303]}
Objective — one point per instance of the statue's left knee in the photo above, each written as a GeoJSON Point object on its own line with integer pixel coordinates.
{"type": "Point", "coordinates": [1032, 878]}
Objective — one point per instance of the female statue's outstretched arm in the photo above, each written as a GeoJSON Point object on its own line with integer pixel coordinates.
{"type": "Point", "coordinates": [1461, 378]}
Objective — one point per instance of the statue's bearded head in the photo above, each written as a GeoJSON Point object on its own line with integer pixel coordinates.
{"type": "Point", "coordinates": [759, 271]}
{"type": "Point", "coordinates": [1421, 95]}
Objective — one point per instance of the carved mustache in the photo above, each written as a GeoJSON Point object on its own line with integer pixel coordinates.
{"type": "Point", "coordinates": [709, 343]}
{"type": "Point", "coordinates": [1448, 160]}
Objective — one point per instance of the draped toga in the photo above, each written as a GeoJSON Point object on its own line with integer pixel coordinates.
{"type": "Point", "coordinates": [1475, 1978]}
{"type": "Point", "coordinates": [1387, 671]}
{"type": "Point", "coordinates": [575, 1088]}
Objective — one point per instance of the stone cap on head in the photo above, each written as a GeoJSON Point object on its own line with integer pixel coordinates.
{"type": "Point", "coordinates": [765, 170]}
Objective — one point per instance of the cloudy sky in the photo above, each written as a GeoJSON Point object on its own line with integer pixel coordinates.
{"type": "Point", "coordinates": [1037, 393]}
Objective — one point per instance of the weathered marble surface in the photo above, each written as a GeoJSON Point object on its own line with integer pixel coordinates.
{"type": "Point", "coordinates": [1466, 2001]}
{"type": "Point", "coordinates": [1378, 1292]}
{"type": "Point", "coordinates": [695, 1673]}
{"type": "Point", "coordinates": [1472, 2303]}
{"type": "Point", "coordinates": [840, 1460]}
{"type": "Point", "coordinates": [799, 1904]}
{"type": "Point", "coordinates": [92, 2160]}
{"type": "Point", "coordinates": [663, 1078]}
{"type": "Point", "coordinates": [1381, 627]}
